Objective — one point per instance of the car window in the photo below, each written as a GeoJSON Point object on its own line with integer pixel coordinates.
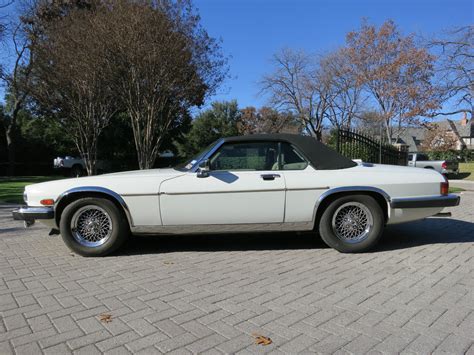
{"type": "Point", "coordinates": [410, 156]}
{"type": "Point", "coordinates": [291, 159]}
{"type": "Point", "coordinates": [245, 156]}
{"type": "Point", "coordinates": [422, 157]}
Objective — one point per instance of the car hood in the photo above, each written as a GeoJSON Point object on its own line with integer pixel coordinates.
{"type": "Point", "coordinates": [141, 182]}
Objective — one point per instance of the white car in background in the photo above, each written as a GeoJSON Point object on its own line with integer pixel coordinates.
{"type": "Point", "coordinates": [257, 183]}
{"type": "Point", "coordinates": [71, 165]}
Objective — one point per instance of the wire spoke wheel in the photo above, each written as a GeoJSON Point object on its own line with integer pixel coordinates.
{"type": "Point", "coordinates": [352, 222]}
{"type": "Point", "coordinates": [91, 226]}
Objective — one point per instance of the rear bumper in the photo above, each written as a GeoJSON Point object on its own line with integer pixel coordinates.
{"type": "Point", "coordinates": [33, 213]}
{"type": "Point", "coordinates": [426, 202]}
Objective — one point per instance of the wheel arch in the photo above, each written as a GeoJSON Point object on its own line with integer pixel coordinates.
{"type": "Point", "coordinates": [90, 191]}
{"type": "Point", "coordinates": [382, 198]}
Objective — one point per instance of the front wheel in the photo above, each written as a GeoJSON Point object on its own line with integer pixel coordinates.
{"type": "Point", "coordinates": [352, 224]}
{"type": "Point", "coordinates": [93, 226]}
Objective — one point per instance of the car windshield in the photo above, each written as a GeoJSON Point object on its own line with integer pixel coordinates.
{"type": "Point", "coordinates": [188, 164]}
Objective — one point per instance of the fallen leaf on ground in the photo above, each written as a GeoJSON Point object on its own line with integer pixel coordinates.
{"type": "Point", "coordinates": [261, 340]}
{"type": "Point", "coordinates": [168, 262]}
{"type": "Point", "coordinates": [106, 318]}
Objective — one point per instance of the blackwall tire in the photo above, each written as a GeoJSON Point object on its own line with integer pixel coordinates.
{"type": "Point", "coordinates": [93, 226]}
{"type": "Point", "coordinates": [352, 224]}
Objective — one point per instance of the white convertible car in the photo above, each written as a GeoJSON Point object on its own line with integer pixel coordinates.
{"type": "Point", "coordinates": [253, 183]}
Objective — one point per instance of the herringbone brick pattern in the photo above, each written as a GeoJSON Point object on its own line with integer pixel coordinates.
{"type": "Point", "coordinates": [209, 294]}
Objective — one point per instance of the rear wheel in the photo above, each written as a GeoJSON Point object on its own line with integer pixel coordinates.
{"type": "Point", "coordinates": [352, 224]}
{"type": "Point", "coordinates": [93, 227]}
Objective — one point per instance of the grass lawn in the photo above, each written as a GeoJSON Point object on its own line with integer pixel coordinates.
{"type": "Point", "coordinates": [453, 190]}
{"type": "Point", "coordinates": [466, 171]}
{"type": "Point", "coordinates": [11, 188]}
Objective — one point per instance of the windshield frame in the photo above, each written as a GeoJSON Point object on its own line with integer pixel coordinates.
{"type": "Point", "coordinates": [193, 163]}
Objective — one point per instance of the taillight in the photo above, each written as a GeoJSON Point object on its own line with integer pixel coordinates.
{"type": "Point", "coordinates": [444, 186]}
{"type": "Point", "coordinates": [444, 165]}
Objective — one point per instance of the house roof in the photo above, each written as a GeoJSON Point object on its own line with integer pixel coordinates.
{"type": "Point", "coordinates": [412, 137]}
{"type": "Point", "coordinates": [464, 130]}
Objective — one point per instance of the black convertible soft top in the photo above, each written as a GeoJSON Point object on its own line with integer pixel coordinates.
{"type": "Point", "coordinates": [320, 156]}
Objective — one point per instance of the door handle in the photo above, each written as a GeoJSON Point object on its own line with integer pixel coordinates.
{"type": "Point", "coordinates": [269, 176]}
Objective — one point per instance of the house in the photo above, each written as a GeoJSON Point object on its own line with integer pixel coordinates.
{"type": "Point", "coordinates": [462, 131]}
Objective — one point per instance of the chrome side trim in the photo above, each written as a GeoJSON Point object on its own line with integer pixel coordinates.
{"type": "Point", "coordinates": [308, 188]}
{"type": "Point", "coordinates": [138, 195]}
{"type": "Point", "coordinates": [98, 189]}
{"type": "Point", "coordinates": [218, 192]}
{"type": "Point", "coordinates": [237, 191]}
{"type": "Point", "coordinates": [350, 189]}
{"type": "Point", "coordinates": [222, 228]}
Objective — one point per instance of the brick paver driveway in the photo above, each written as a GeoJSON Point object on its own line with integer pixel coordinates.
{"type": "Point", "coordinates": [414, 294]}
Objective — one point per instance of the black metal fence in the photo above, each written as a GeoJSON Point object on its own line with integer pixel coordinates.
{"type": "Point", "coordinates": [356, 145]}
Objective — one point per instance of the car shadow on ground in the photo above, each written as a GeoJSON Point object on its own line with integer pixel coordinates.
{"type": "Point", "coordinates": [428, 231]}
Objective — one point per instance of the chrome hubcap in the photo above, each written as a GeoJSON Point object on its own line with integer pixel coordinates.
{"type": "Point", "coordinates": [91, 226]}
{"type": "Point", "coordinates": [352, 222]}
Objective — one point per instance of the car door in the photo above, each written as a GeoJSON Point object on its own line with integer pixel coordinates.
{"type": "Point", "coordinates": [304, 184]}
{"type": "Point", "coordinates": [243, 186]}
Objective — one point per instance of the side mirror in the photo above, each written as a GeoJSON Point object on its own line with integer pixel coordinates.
{"type": "Point", "coordinates": [204, 168]}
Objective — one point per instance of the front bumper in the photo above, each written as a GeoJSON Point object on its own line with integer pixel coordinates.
{"type": "Point", "coordinates": [426, 202]}
{"type": "Point", "coordinates": [30, 214]}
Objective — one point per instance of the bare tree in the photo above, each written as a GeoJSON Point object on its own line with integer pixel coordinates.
{"type": "Point", "coordinates": [267, 120]}
{"type": "Point", "coordinates": [166, 63]}
{"type": "Point", "coordinates": [395, 72]}
{"type": "Point", "coordinates": [72, 79]}
{"type": "Point", "coordinates": [344, 91]}
{"type": "Point", "coordinates": [17, 84]}
{"type": "Point", "coordinates": [3, 5]}
{"type": "Point", "coordinates": [3, 26]}
{"type": "Point", "coordinates": [294, 87]}
{"type": "Point", "coordinates": [456, 69]}
{"type": "Point", "coordinates": [316, 89]}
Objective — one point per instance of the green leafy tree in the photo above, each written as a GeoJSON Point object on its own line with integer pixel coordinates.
{"type": "Point", "coordinates": [219, 121]}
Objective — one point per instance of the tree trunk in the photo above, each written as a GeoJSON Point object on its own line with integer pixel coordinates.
{"type": "Point", "coordinates": [10, 136]}
{"type": "Point", "coordinates": [319, 135]}
{"type": "Point", "coordinates": [88, 154]}
{"type": "Point", "coordinates": [11, 150]}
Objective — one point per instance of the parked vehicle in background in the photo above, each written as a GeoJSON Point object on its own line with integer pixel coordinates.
{"type": "Point", "coordinates": [71, 166]}
{"type": "Point", "coordinates": [420, 160]}
{"type": "Point", "coordinates": [75, 167]}
{"type": "Point", "coordinates": [256, 183]}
